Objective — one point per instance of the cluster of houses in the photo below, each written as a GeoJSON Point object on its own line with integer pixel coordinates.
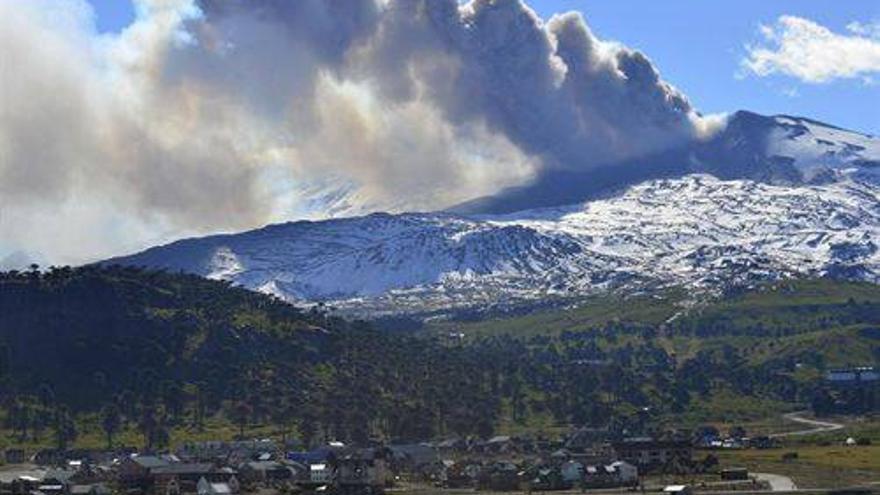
{"type": "Point", "coordinates": [545, 476]}
{"type": "Point", "coordinates": [510, 463]}
{"type": "Point", "coordinates": [712, 438]}
{"type": "Point", "coordinates": [71, 480]}
{"type": "Point", "coordinates": [586, 459]}
{"type": "Point", "coordinates": [205, 468]}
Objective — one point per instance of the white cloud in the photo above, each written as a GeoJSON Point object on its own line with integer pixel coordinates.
{"type": "Point", "coordinates": [808, 51]}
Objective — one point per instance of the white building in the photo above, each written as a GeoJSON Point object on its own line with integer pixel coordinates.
{"type": "Point", "coordinates": [626, 472]}
{"type": "Point", "coordinates": [205, 487]}
{"type": "Point", "coordinates": [320, 474]}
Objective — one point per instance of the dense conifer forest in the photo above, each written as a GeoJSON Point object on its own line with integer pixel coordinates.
{"type": "Point", "coordinates": [160, 353]}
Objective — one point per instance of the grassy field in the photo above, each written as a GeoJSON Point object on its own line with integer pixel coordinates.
{"type": "Point", "coordinates": [823, 461]}
{"type": "Point", "coordinates": [863, 427]}
{"type": "Point", "coordinates": [815, 467]}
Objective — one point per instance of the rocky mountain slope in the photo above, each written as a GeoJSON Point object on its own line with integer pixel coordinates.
{"type": "Point", "coordinates": [809, 206]}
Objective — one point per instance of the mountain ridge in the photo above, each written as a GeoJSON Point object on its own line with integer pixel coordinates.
{"type": "Point", "coordinates": [744, 140]}
{"type": "Point", "coordinates": [807, 206]}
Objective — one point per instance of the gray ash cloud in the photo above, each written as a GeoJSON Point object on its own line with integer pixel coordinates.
{"type": "Point", "coordinates": [219, 115]}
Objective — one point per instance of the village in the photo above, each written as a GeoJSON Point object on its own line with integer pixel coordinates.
{"type": "Point", "coordinates": [587, 459]}
{"type": "Point", "coordinates": [676, 461]}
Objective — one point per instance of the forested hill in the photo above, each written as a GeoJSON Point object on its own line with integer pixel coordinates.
{"type": "Point", "coordinates": [164, 354]}
{"type": "Point", "coordinates": [91, 332]}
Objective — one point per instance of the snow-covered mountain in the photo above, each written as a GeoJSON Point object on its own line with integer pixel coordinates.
{"type": "Point", "coordinates": [810, 205]}
{"type": "Point", "coordinates": [777, 150]}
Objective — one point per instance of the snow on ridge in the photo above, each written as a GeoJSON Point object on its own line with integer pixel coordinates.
{"type": "Point", "coordinates": [812, 209]}
{"type": "Point", "coordinates": [817, 148]}
{"type": "Point", "coordinates": [697, 231]}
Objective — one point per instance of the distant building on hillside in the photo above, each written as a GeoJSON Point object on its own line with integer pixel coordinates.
{"type": "Point", "coordinates": [856, 376]}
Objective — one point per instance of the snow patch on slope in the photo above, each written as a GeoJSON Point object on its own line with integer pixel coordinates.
{"type": "Point", "coordinates": [817, 149]}
{"type": "Point", "coordinates": [697, 231]}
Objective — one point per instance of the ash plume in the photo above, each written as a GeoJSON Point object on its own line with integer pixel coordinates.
{"type": "Point", "coordinates": [215, 115]}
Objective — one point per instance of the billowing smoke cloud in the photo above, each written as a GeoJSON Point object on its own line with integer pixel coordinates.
{"type": "Point", "coordinates": [208, 115]}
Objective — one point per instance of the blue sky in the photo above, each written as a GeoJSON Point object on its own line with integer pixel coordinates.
{"type": "Point", "coordinates": [698, 46]}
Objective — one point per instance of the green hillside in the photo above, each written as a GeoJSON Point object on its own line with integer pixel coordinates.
{"type": "Point", "coordinates": [605, 311]}
{"type": "Point", "coordinates": [782, 308]}
{"type": "Point", "coordinates": [836, 323]}
{"type": "Point", "coordinates": [124, 355]}
{"type": "Point", "coordinates": [171, 355]}
{"type": "Point", "coordinates": [787, 333]}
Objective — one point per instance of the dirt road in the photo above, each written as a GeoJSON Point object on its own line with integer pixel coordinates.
{"type": "Point", "coordinates": [816, 426]}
